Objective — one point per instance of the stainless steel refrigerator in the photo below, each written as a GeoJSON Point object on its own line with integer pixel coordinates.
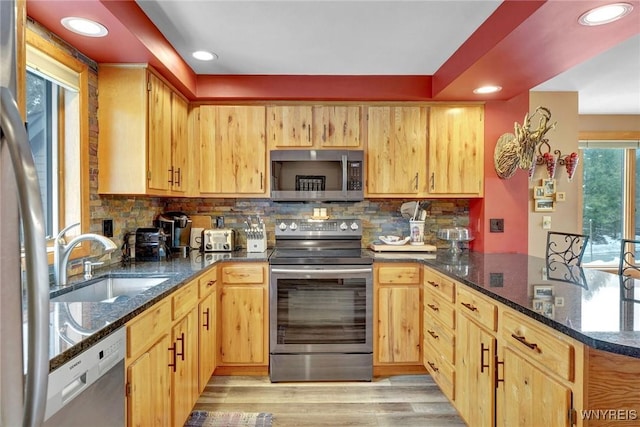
{"type": "Point", "coordinates": [24, 297]}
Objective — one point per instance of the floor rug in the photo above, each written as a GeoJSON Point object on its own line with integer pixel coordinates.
{"type": "Point", "coordinates": [228, 419]}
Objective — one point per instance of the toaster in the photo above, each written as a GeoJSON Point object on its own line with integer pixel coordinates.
{"type": "Point", "coordinates": [218, 240]}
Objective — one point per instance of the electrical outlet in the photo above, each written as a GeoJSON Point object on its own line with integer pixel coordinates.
{"type": "Point", "coordinates": [496, 225]}
{"type": "Point", "coordinates": [546, 222]}
{"type": "Point", "coordinates": [107, 228]}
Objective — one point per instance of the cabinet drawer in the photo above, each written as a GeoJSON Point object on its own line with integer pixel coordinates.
{"type": "Point", "coordinates": [477, 307]}
{"type": "Point", "coordinates": [439, 337]}
{"type": "Point", "coordinates": [539, 345]}
{"type": "Point", "coordinates": [207, 282]}
{"type": "Point", "coordinates": [405, 274]}
{"type": "Point", "coordinates": [439, 308]}
{"type": "Point", "coordinates": [184, 299]}
{"type": "Point", "coordinates": [148, 327]}
{"type": "Point", "coordinates": [441, 372]}
{"type": "Point", "coordinates": [440, 284]}
{"type": "Point", "coordinates": [245, 273]}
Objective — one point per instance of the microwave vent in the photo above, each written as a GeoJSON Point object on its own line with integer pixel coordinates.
{"type": "Point", "coordinates": [310, 182]}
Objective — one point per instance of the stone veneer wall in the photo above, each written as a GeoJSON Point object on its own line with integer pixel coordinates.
{"type": "Point", "coordinates": [379, 216]}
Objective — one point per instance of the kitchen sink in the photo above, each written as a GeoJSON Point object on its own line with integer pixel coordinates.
{"type": "Point", "coordinates": [110, 289]}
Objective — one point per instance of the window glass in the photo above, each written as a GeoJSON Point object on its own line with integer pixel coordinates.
{"type": "Point", "coordinates": [609, 209]}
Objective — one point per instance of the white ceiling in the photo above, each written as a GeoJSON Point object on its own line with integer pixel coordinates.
{"type": "Point", "coordinates": [360, 37]}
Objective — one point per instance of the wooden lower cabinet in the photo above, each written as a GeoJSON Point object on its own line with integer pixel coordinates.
{"type": "Point", "coordinates": [529, 396]}
{"type": "Point", "coordinates": [184, 366]}
{"type": "Point", "coordinates": [149, 387]}
{"type": "Point", "coordinates": [397, 314]}
{"type": "Point", "coordinates": [207, 327]}
{"type": "Point", "coordinates": [475, 372]}
{"type": "Point", "coordinates": [243, 315]}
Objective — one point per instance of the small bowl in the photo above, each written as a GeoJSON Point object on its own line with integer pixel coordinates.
{"type": "Point", "coordinates": [390, 238]}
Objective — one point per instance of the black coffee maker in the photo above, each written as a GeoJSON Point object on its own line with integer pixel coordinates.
{"type": "Point", "coordinates": [176, 226]}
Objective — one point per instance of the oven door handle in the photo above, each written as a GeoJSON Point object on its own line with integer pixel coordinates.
{"type": "Point", "coordinates": [322, 271]}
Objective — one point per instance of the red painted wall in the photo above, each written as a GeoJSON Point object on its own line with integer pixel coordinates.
{"type": "Point", "coordinates": [507, 199]}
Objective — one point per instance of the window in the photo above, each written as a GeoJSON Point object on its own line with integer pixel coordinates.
{"type": "Point", "coordinates": [610, 198]}
{"type": "Point", "coordinates": [57, 124]}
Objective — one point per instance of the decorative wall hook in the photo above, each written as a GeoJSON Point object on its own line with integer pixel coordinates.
{"type": "Point", "coordinates": [570, 161]}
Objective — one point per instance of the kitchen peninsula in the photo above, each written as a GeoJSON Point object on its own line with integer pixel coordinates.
{"type": "Point", "coordinates": [585, 351]}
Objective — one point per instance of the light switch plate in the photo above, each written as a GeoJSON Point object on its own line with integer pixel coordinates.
{"type": "Point", "coordinates": [546, 222]}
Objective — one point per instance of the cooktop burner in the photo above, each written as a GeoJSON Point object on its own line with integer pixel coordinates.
{"type": "Point", "coordinates": [336, 241]}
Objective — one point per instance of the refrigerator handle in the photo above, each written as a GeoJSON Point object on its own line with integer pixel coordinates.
{"type": "Point", "coordinates": [35, 253]}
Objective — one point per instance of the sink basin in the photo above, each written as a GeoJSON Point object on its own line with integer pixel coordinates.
{"type": "Point", "coordinates": [110, 289]}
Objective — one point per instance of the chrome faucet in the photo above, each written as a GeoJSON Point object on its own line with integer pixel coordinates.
{"type": "Point", "coordinates": [62, 251]}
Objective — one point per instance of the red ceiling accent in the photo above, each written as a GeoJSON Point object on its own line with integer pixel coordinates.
{"type": "Point", "coordinates": [544, 44]}
{"type": "Point", "coordinates": [522, 44]}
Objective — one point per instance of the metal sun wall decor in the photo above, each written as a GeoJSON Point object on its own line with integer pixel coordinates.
{"type": "Point", "coordinates": [518, 149]}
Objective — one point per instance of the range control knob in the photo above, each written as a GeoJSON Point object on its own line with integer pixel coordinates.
{"type": "Point", "coordinates": [282, 226]}
{"type": "Point", "coordinates": [293, 226]}
{"type": "Point", "coordinates": [354, 226]}
{"type": "Point", "coordinates": [344, 226]}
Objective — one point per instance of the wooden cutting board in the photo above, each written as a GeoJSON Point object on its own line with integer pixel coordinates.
{"type": "Point", "coordinates": [381, 247]}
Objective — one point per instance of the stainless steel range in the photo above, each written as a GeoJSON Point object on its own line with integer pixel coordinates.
{"type": "Point", "coordinates": [321, 294]}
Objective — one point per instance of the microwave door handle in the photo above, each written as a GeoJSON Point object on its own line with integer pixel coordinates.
{"type": "Point", "coordinates": [344, 172]}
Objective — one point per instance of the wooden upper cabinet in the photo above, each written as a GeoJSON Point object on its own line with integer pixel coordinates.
{"type": "Point", "coordinates": [289, 126]}
{"type": "Point", "coordinates": [143, 144]}
{"type": "Point", "coordinates": [456, 150]}
{"type": "Point", "coordinates": [320, 126]}
{"type": "Point", "coordinates": [179, 144]}
{"type": "Point", "coordinates": [396, 151]}
{"type": "Point", "coordinates": [337, 126]}
{"type": "Point", "coordinates": [233, 150]}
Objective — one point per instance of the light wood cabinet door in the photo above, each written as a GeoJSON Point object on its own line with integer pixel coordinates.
{"type": "Point", "coordinates": [179, 144]}
{"type": "Point", "coordinates": [149, 387]}
{"type": "Point", "coordinates": [160, 173]}
{"type": "Point", "coordinates": [337, 126]}
{"type": "Point", "coordinates": [207, 339]}
{"type": "Point", "coordinates": [456, 150]}
{"type": "Point", "coordinates": [529, 397]}
{"type": "Point", "coordinates": [233, 150]}
{"type": "Point", "coordinates": [243, 325]}
{"type": "Point", "coordinates": [289, 126]}
{"type": "Point", "coordinates": [396, 151]}
{"type": "Point", "coordinates": [475, 373]}
{"type": "Point", "coordinates": [398, 338]}
{"type": "Point", "coordinates": [184, 377]}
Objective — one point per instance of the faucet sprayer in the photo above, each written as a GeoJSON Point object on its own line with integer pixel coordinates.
{"type": "Point", "coordinates": [62, 251]}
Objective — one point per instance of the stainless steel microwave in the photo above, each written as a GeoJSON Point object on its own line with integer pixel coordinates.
{"type": "Point", "coordinates": [317, 175]}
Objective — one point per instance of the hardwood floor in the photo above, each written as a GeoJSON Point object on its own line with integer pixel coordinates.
{"type": "Point", "coordinates": [407, 400]}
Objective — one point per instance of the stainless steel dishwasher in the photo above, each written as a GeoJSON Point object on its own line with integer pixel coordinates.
{"type": "Point", "coordinates": [89, 389]}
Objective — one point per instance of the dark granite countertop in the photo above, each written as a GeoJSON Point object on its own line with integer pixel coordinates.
{"type": "Point", "coordinates": [589, 307]}
{"type": "Point", "coordinates": [78, 325]}
{"type": "Point", "coordinates": [601, 310]}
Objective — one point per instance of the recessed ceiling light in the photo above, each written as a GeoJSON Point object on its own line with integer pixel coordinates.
{"type": "Point", "coordinates": [487, 89]}
{"type": "Point", "coordinates": [203, 55]}
{"type": "Point", "coordinates": [605, 14]}
{"type": "Point", "coordinates": [83, 26]}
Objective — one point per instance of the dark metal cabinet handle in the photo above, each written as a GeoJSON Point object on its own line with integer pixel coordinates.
{"type": "Point", "coordinates": [170, 170]}
{"type": "Point", "coordinates": [469, 306]}
{"type": "Point", "coordinates": [433, 366]}
{"type": "Point", "coordinates": [206, 319]}
{"type": "Point", "coordinates": [172, 349]}
{"type": "Point", "coordinates": [483, 349]}
{"type": "Point", "coordinates": [432, 283]}
{"type": "Point", "coordinates": [433, 307]}
{"type": "Point", "coordinates": [523, 340]}
{"type": "Point", "coordinates": [433, 180]}
{"type": "Point", "coordinates": [179, 179]}
{"type": "Point", "coordinates": [181, 353]}
{"type": "Point", "coordinates": [433, 334]}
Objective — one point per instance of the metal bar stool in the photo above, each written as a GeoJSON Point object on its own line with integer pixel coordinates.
{"type": "Point", "coordinates": [628, 261]}
{"type": "Point", "coordinates": [566, 248]}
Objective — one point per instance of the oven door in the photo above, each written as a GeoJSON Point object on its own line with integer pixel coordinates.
{"type": "Point", "coordinates": [321, 309]}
